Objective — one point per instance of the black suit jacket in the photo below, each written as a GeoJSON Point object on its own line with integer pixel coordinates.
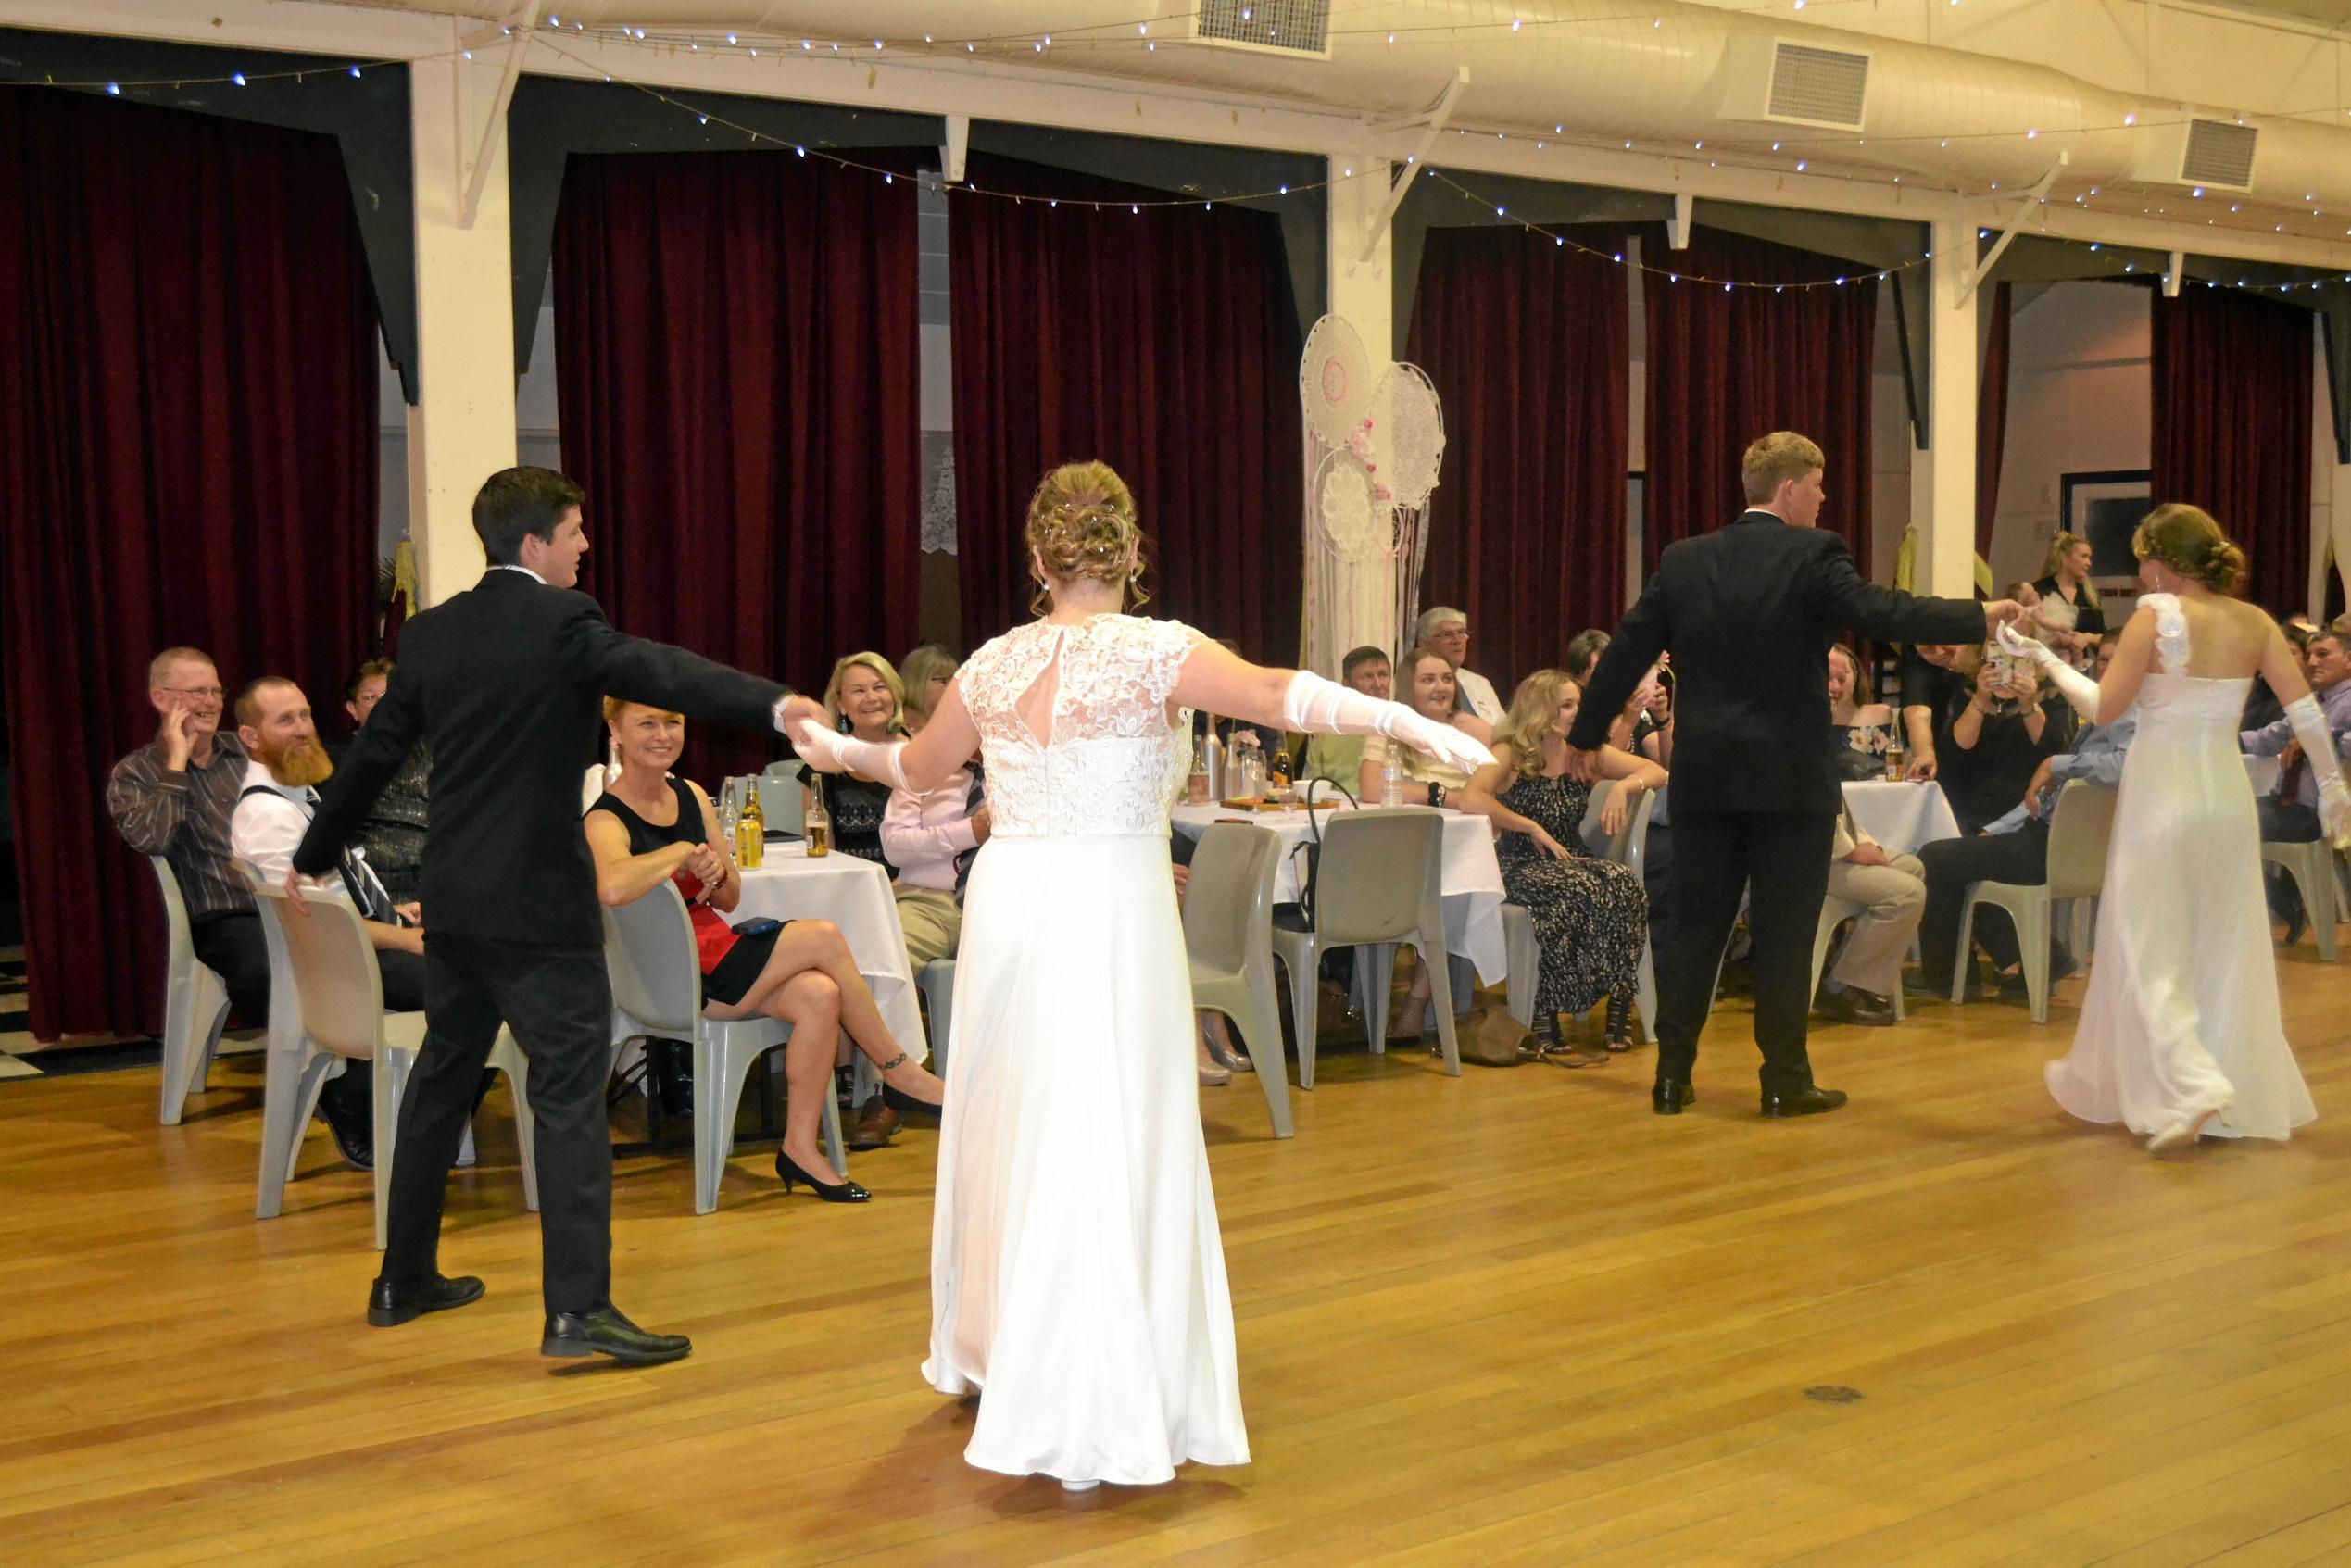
{"type": "Point", "coordinates": [1749, 613]}
{"type": "Point", "coordinates": [506, 681]}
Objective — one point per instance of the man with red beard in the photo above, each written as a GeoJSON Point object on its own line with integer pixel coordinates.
{"type": "Point", "coordinates": [281, 797]}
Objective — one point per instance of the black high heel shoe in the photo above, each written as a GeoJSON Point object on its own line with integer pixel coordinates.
{"type": "Point", "coordinates": [830, 1192]}
{"type": "Point", "coordinates": [1619, 1036]}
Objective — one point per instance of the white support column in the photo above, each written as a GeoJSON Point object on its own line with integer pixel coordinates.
{"type": "Point", "coordinates": [1355, 605]}
{"type": "Point", "coordinates": [462, 430]}
{"type": "Point", "coordinates": [1942, 478]}
{"type": "Point", "coordinates": [2339, 526]}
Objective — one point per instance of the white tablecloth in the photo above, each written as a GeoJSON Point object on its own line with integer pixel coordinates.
{"type": "Point", "coordinates": [1901, 817]}
{"type": "Point", "coordinates": [1469, 877]}
{"type": "Point", "coordinates": [855, 896]}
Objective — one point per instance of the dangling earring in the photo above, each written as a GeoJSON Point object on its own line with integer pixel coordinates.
{"type": "Point", "coordinates": [1039, 602]}
{"type": "Point", "coordinates": [1134, 586]}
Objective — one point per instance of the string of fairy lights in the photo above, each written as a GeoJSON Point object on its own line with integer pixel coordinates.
{"type": "Point", "coordinates": [1797, 154]}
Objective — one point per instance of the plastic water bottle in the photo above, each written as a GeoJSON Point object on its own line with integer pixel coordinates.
{"type": "Point", "coordinates": [1392, 779]}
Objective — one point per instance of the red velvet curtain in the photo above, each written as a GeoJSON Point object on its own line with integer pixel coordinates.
{"type": "Point", "coordinates": [1727, 366]}
{"type": "Point", "coordinates": [1528, 342]}
{"type": "Point", "coordinates": [2231, 427]}
{"type": "Point", "coordinates": [1991, 417]}
{"type": "Point", "coordinates": [187, 455]}
{"type": "Point", "coordinates": [738, 370]}
{"type": "Point", "coordinates": [1162, 341]}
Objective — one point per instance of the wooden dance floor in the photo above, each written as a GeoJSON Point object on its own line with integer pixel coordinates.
{"type": "Point", "coordinates": [1512, 1319]}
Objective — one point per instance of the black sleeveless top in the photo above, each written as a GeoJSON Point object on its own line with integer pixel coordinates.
{"type": "Point", "coordinates": [645, 837]}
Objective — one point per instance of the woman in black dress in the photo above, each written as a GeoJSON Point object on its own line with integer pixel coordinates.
{"type": "Point", "coordinates": [2068, 608]}
{"type": "Point", "coordinates": [1591, 915]}
{"type": "Point", "coordinates": [648, 828]}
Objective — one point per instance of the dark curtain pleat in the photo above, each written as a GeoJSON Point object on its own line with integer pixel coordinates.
{"type": "Point", "coordinates": [188, 454]}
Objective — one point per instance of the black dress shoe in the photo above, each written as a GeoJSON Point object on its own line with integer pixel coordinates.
{"type": "Point", "coordinates": [390, 1305]}
{"type": "Point", "coordinates": [1807, 1101]}
{"type": "Point", "coordinates": [1850, 1005]}
{"type": "Point", "coordinates": [605, 1332]}
{"type": "Point", "coordinates": [1667, 1096]}
{"type": "Point", "coordinates": [354, 1136]}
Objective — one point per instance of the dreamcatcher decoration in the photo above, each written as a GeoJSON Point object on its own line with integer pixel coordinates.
{"type": "Point", "coordinates": [1374, 444]}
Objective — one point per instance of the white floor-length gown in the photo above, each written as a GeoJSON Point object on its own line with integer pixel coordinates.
{"type": "Point", "coordinates": [2182, 1013]}
{"type": "Point", "coordinates": [1076, 1274]}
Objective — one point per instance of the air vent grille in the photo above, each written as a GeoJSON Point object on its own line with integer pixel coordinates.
{"type": "Point", "coordinates": [2219, 154]}
{"type": "Point", "coordinates": [1818, 86]}
{"type": "Point", "coordinates": [1290, 26]}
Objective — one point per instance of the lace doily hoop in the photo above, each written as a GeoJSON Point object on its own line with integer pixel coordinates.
{"type": "Point", "coordinates": [1408, 432]}
{"type": "Point", "coordinates": [1355, 524]}
{"type": "Point", "coordinates": [1334, 380]}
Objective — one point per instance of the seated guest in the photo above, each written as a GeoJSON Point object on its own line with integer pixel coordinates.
{"type": "Point", "coordinates": [1656, 735]}
{"type": "Point", "coordinates": [280, 796]}
{"type": "Point", "coordinates": [1341, 757]}
{"type": "Point", "coordinates": [393, 831]}
{"type": "Point", "coordinates": [1590, 917]}
{"type": "Point", "coordinates": [1428, 690]}
{"type": "Point", "coordinates": [1861, 729]}
{"type": "Point", "coordinates": [1891, 889]}
{"type": "Point", "coordinates": [2289, 813]}
{"type": "Point", "coordinates": [648, 829]}
{"type": "Point", "coordinates": [1447, 630]}
{"type": "Point", "coordinates": [867, 700]}
{"type": "Point", "coordinates": [923, 676]}
{"type": "Point", "coordinates": [1985, 727]}
{"type": "Point", "coordinates": [2013, 847]}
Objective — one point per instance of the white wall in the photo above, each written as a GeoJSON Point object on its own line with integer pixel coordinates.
{"type": "Point", "coordinates": [2079, 400]}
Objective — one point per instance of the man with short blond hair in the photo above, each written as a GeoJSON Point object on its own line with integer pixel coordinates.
{"type": "Point", "coordinates": [1781, 457]}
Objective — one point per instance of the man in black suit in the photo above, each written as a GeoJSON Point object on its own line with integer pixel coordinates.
{"type": "Point", "coordinates": [504, 682]}
{"type": "Point", "coordinates": [1749, 613]}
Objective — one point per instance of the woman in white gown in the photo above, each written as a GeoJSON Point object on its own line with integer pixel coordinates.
{"type": "Point", "coordinates": [2180, 1032]}
{"type": "Point", "coordinates": [1077, 1275]}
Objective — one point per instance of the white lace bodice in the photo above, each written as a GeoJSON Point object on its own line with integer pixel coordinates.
{"type": "Point", "coordinates": [1112, 762]}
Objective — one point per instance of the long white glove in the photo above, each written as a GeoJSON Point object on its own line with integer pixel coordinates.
{"type": "Point", "coordinates": [813, 741]}
{"type": "Point", "coordinates": [1315, 706]}
{"type": "Point", "coordinates": [2317, 749]}
{"type": "Point", "coordinates": [2077, 688]}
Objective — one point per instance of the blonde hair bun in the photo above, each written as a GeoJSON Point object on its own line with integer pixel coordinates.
{"type": "Point", "coordinates": [1082, 525]}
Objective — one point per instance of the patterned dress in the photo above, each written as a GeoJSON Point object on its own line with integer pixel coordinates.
{"type": "Point", "coordinates": [1591, 915]}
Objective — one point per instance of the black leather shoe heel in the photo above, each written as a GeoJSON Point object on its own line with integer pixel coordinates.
{"type": "Point", "coordinates": [605, 1332]}
{"type": "Point", "coordinates": [391, 1305]}
{"type": "Point", "coordinates": [1667, 1096]}
{"type": "Point", "coordinates": [789, 1170]}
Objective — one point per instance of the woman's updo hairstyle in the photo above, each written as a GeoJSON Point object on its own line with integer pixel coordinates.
{"type": "Point", "coordinates": [2186, 539]}
{"type": "Point", "coordinates": [1081, 524]}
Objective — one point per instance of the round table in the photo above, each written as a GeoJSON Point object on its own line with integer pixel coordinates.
{"type": "Point", "coordinates": [1901, 816]}
{"type": "Point", "coordinates": [1469, 877]}
{"type": "Point", "coordinates": [854, 895]}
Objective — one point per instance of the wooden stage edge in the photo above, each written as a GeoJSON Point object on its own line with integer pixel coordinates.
{"type": "Point", "coordinates": [1508, 1319]}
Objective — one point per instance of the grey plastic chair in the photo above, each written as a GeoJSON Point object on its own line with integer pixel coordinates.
{"type": "Point", "coordinates": [657, 993]}
{"type": "Point", "coordinates": [1834, 912]}
{"type": "Point", "coordinates": [2079, 829]}
{"type": "Point", "coordinates": [1380, 885]}
{"type": "Point", "coordinates": [1627, 848]}
{"type": "Point", "coordinates": [195, 1004]}
{"type": "Point", "coordinates": [1228, 930]}
{"type": "Point", "coordinates": [326, 1009]}
{"type": "Point", "coordinates": [2313, 867]}
{"type": "Point", "coordinates": [782, 798]}
{"type": "Point", "coordinates": [938, 984]}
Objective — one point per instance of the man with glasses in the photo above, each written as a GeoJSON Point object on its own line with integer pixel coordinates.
{"type": "Point", "coordinates": [173, 797]}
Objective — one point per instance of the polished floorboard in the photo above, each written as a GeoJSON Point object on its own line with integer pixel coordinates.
{"type": "Point", "coordinates": [1506, 1319]}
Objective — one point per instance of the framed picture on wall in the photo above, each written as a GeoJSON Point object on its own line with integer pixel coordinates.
{"type": "Point", "coordinates": [2105, 507]}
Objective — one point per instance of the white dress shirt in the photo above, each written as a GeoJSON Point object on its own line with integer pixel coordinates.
{"type": "Point", "coordinates": [264, 831]}
{"type": "Point", "coordinates": [1480, 692]}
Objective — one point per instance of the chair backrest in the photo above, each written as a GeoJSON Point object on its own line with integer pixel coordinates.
{"type": "Point", "coordinates": [2079, 829]}
{"type": "Point", "coordinates": [338, 990]}
{"type": "Point", "coordinates": [782, 801]}
{"type": "Point", "coordinates": [1228, 903]}
{"type": "Point", "coordinates": [1378, 873]}
{"type": "Point", "coordinates": [175, 918]}
{"type": "Point", "coordinates": [1628, 844]}
{"type": "Point", "coordinates": [650, 953]}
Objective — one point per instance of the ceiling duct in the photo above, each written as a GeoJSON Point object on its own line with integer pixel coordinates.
{"type": "Point", "coordinates": [2215, 154]}
{"type": "Point", "coordinates": [1281, 27]}
{"type": "Point", "coordinates": [1791, 83]}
